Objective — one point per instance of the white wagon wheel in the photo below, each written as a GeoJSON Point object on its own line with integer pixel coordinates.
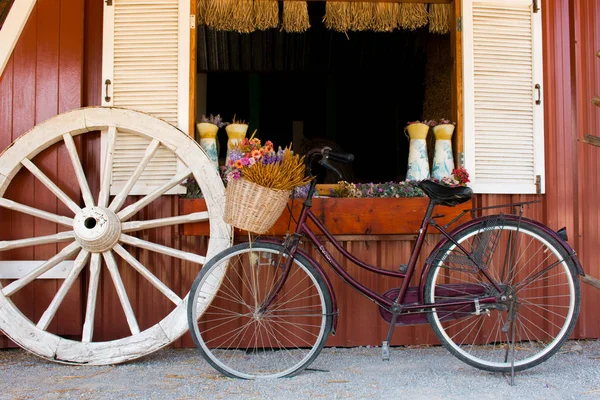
{"type": "Point", "coordinates": [100, 232]}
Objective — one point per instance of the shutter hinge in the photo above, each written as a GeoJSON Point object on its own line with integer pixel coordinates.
{"type": "Point", "coordinates": [538, 184]}
{"type": "Point", "coordinates": [536, 8]}
{"type": "Point", "coordinates": [461, 159]}
{"type": "Point", "coordinates": [459, 24]}
{"type": "Point", "coordinates": [108, 2]}
{"type": "Point", "coordinates": [192, 21]}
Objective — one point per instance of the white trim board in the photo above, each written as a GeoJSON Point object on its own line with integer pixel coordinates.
{"type": "Point", "coordinates": [18, 269]}
{"type": "Point", "coordinates": [11, 30]}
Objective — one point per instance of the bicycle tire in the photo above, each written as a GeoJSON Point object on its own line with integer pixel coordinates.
{"type": "Point", "coordinates": [239, 341]}
{"type": "Point", "coordinates": [547, 297]}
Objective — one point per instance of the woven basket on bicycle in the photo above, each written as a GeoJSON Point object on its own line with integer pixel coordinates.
{"type": "Point", "coordinates": [252, 207]}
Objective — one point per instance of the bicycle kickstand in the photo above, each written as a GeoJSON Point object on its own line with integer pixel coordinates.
{"type": "Point", "coordinates": [385, 345]}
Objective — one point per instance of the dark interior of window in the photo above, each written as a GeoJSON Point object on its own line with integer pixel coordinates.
{"type": "Point", "coordinates": [353, 91]}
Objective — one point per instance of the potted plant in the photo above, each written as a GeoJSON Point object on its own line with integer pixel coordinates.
{"type": "Point", "coordinates": [443, 159]}
{"type": "Point", "coordinates": [259, 181]}
{"type": "Point", "coordinates": [208, 127]}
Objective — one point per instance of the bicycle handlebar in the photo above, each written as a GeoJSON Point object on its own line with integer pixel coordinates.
{"type": "Point", "coordinates": [326, 155]}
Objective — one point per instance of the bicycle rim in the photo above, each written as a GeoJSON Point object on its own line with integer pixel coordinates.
{"type": "Point", "coordinates": [538, 281]}
{"type": "Point", "coordinates": [239, 340]}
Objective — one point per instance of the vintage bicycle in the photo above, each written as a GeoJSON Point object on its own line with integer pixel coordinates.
{"type": "Point", "coordinates": [501, 292]}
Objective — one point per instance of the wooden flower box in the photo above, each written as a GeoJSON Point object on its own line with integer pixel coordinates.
{"type": "Point", "coordinates": [345, 216]}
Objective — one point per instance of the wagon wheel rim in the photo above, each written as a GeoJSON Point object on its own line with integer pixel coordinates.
{"type": "Point", "coordinates": [100, 231]}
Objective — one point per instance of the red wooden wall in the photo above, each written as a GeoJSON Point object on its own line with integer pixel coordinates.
{"type": "Point", "coordinates": [56, 66]}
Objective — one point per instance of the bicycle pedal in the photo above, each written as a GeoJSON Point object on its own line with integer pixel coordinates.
{"type": "Point", "coordinates": [385, 350]}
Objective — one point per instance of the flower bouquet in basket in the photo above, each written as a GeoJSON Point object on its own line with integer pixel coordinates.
{"type": "Point", "coordinates": [259, 183]}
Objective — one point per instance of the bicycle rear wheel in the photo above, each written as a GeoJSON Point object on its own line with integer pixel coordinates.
{"type": "Point", "coordinates": [239, 340]}
{"type": "Point", "coordinates": [539, 301]}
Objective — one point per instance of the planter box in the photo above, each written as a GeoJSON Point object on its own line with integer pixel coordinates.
{"type": "Point", "coordinates": [342, 216]}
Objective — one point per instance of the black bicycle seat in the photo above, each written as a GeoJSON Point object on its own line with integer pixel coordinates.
{"type": "Point", "coordinates": [445, 195]}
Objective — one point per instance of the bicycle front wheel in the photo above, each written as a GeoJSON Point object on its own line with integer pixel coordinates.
{"type": "Point", "coordinates": [538, 302]}
{"type": "Point", "coordinates": [242, 336]}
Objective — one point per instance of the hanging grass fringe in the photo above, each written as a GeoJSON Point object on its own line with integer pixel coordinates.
{"type": "Point", "coordinates": [219, 14]}
{"type": "Point", "coordinates": [439, 18]}
{"type": "Point", "coordinates": [413, 15]}
{"type": "Point", "coordinates": [242, 18]}
{"type": "Point", "coordinates": [266, 14]}
{"type": "Point", "coordinates": [201, 12]}
{"type": "Point", "coordinates": [386, 16]}
{"type": "Point", "coordinates": [362, 15]}
{"type": "Point", "coordinates": [338, 16]}
{"type": "Point", "coordinates": [295, 16]}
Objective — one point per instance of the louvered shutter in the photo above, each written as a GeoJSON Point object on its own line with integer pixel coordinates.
{"type": "Point", "coordinates": [146, 68]}
{"type": "Point", "coordinates": [503, 126]}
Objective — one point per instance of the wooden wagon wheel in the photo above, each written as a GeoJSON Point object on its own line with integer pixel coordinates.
{"type": "Point", "coordinates": [101, 233]}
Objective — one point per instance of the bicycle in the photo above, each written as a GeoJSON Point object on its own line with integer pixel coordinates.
{"type": "Point", "coordinates": [500, 292]}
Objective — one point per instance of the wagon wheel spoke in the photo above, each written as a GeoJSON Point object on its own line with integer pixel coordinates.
{"type": "Point", "coordinates": [83, 183]}
{"type": "Point", "coordinates": [78, 265]}
{"type": "Point", "coordinates": [133, 209]}
{"type": "Point", "coordinates": [51, 185]}
{"type": "Point", "coordinates": [34, 212]}
{"type": "Point", "coordinates": [106, 177]}
{"type": "Point", "coordinates": [35, 241]}
{"type": "Point", "coordinates": [90, 308]}
{"type": "Point", "coordinates": [13, 287]}
{"type": "Point", "coordinates": [157, 283]}
{"type": "Point", "coordinates": [122, 195]}
{"type": "Point", "coordinates": [109, 259]}
{"type": "Point", "coordinates": [144, 244]}
{"type": "Point", "coordinates": [134, 226]}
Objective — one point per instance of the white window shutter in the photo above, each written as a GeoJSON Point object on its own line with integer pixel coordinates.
{"type": "Point", "coordinates": [146, 68]}
{"type": "Point", "coordinates": [503, 126]}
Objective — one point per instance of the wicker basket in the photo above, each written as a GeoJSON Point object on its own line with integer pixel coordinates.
{"type": "Point", "coordinates": [252, 207]}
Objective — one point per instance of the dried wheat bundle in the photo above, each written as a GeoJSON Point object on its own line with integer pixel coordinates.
{"type": "Point", "coordinates": [295, 16]}
{"type": "Point", "coordinates": [362, 15]}
{"type": "Point", "coordinates": [413, 15]}
{"type": "Point", "coordinates": [219, 13]}
{"type": "Point", "coordinates": [242, 18]}
{"type": "Point", "coordinates": [266, 14]}
{"type": "Point", "coordinates": [338, 16]}
{"type": "Point", "coordinates": [386, 16]}
{"type": "Point", "coordinates": [284, 175]}
{"type": "Point", "coordinates": [439, 18]}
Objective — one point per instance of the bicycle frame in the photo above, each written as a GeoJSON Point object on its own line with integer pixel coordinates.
{"type": "Point", "coordinates": [304, 230]}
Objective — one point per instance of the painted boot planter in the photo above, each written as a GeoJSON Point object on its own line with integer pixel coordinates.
{"type": "Point", "coordinates": [418, 162]}
{"type": "Point", "coordinates": [235, 134]}
{"type": "Point", "coordinates": [443, 160]}
{"type": "Point", "coordinates": [208, 141]}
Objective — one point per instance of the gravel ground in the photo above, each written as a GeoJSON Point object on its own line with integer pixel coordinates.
{"type": "Point", "coordinates": [356, 373]}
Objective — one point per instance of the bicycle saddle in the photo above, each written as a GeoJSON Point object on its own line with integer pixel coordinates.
{"type": "Point", "coordinates": [445, 195]}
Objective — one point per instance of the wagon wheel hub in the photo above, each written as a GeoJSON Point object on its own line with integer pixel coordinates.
{"type": "Point", "coordinates": [97, 229]}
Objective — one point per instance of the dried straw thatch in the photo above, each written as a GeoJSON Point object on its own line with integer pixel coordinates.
{"type": "Point", "coordinates": [266, 14]}
{"type": "Point", "coordinates": [242, 18]}
{"type": "Point", "coordinates": [386, 16]}
{"type": "Point", "coordinates": [413, 15]}
{"type": "Point", "coordinates": [338, 16]}
{"type": "Point", "coordinates": [201, 12]}
{"type": "Point", "coordinates": [295, 16]}
{"type": "Point", "coordinates": [362, 15]}
{"type": "Point", "coordinates": [439, 18]}
{"type": "Point", "coordinates": [218, 14]}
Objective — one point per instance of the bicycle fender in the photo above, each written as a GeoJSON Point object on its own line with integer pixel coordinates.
{"type": "Point", "coordinates": [305, 257]}
{"type": "Point", "coordinates": [565, 245]}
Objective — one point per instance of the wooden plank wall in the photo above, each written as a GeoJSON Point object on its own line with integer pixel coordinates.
{"type": "Point", "coordinates": [56, 67]}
